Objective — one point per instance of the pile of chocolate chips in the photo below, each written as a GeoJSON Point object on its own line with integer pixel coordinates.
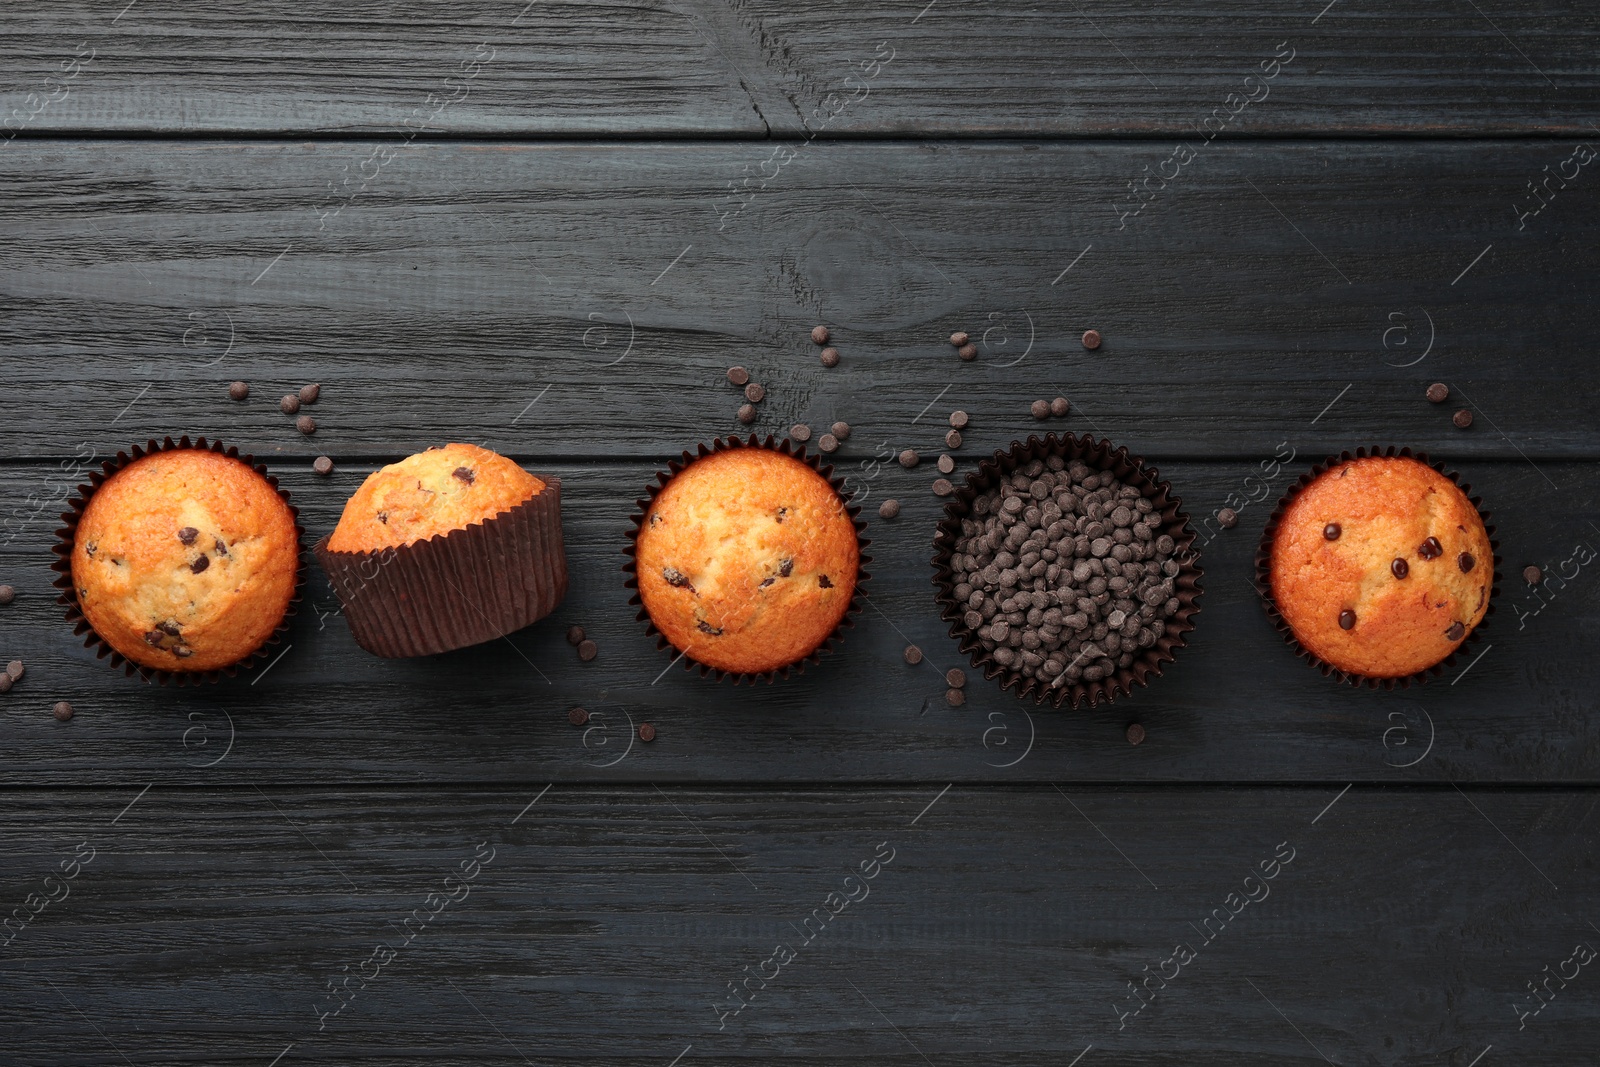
{"type": "Point", "coordinates": [1064, 573]}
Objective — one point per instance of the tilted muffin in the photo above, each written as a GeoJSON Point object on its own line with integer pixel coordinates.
{"type": "Point", "coordinates": [432, 492]}
{"type": "Point", "coordinates": [1381, 566]}
{"type": "Point", "coordinates": [185, 560]}
{"type": "Point", "coordinates": [747, 560]}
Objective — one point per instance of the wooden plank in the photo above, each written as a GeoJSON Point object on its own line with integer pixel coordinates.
{"type": "Point", "coordinates": [1305, 292]}
{"type": "Point", "coordinates": [1398, 926]}
{"type": "Point", "coordinates": [1237, 706]}
{"type": "Point", "coordinates": [802, 69]}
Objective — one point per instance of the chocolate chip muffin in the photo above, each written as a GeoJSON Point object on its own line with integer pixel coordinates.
{"type": "Point", "coordinates": [430, 493]}
{"type": "Point", "coordinates": [747, 560]}
{"type": "Point", "coordinates": [1381, 566]}
{"type": "Point", "coordinates": [185, 560]}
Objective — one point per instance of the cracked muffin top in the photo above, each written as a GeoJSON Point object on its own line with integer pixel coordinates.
{"type": "Point", "coordinates": [430, 493]}
{"type": "Point", "coordinates": [185, 560]}
{"type": "Point", "coordinates": [747, 560]}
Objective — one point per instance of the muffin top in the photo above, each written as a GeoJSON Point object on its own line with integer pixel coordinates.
{"type": "Point", "coordinates": [747, 560]}
{"type": "Point", "coordinates": [1381, 566]}
{"type": "Point", "coordinates": [432, 492]}
{"type": "Point", "coordinates": [185, 560]}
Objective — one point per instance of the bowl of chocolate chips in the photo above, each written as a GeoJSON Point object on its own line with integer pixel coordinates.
{"type": "Point", "coordinates": [1067, 570]}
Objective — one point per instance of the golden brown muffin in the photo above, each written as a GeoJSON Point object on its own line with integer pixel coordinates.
{"type": "Point", "coordinates": [430, 493]}
{"type": "Point", "coordinates": [747, 560]}
{"type": "Point", "coordinates": [1381, 566]}
{"type": "Point", "coordinates": [185, 560]}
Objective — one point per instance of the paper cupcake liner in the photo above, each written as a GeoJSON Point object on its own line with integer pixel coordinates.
{"type": "Point", "coordinates": [722, 444]}
{"type": "Point", "coordinates": [1263, 577]}
{"type": "Point", "coordinates": [66, 536]}
{"type": "Point", "coordinates": [455, 589]}
{"type": "Point", "coordinates": [1130, 470]}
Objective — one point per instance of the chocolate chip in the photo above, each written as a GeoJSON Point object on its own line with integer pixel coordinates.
{"type": "Point", "coordinates": [747, 413]}
{"type": "Point", "coordinates": [755, 392]}
{"type": "Point", "coordinates": [913, 655]}
{"type": "Point", "coordinates": [464, 474]}
{"type": "Point", "coordinates": [954, 697]}
{"type": "Point", "coordinates": [647, 733]}
{"type": "Point", "coordinates": [154, 637]}
{"type": "Point", "coordinates": [780, 515]}
{"type": "Point", "coordinates": [673, 576]}
{"type": "Point", "coordinates": [942, 487]}
{"type": "Point", "coordinates": [169, 627]}
{"type": "Point", "coordinates": [1462, 418]}
{"type": "Point", "coordinates": [1455, 632]}
{"type": "Point", "coordinates": [953, 439]}
{"type": "Point", "coordinates": [830, 357]}
{"type": "Point", "coordinates": [1227, 518]}
{"type": "Point", "coordinates": [383, 517]}
{"type": "Point", "coordinates": [1135, 734]}
{"type": "Point", "coordinates": [1532, 575]}
{"type": "Point", "coordinates": [309, 393]}
{"type": "Point", "coordinates": [889, 509]}
{"type": "Point", "coordinates": [786, 568]}
{"type": "Point", "coordinates": [289, 404]}
{"type": "Point", "coordinates": [1331, 531]}
{"type": "Point", "coordinates": [1059, 407]}
{"type": "Point", "coordinates": [1347, 619]}
{"type": "Point", "coordinates": [738, 375]}
{"type": "Point", "coordinates": [188, 534]}
{"type": "Point", "coordinates": [958, 420]}
{"type": "Point", "coordinates": [5, 682]}
{"type": "Point", "coordinates": [955, 678]}
{"type": "Point", "coordinates": [322, 465]}
{"type": "Point", "coordinates": [1430, 549]}
{"type": "Point", "coordinates": [1438, 392]}
{"type": "Point", "coordinates": [200, 564]}
{"type": "Point", "coordinates": [968, 352]}
{"type": "Point", "coordinates": [14, 670]}
{"type": "Point", "coordinates": [706, 627]}
{"type": "Point", "coordinates": [578, 716]}
{"type": "Point", "coordinates": [819, 335]}
{"type": "Point", "coordinates": [959, 338]}
{"type": "Point", "coordinates": [828, 443]}
{"type": "Point", "coordinates": [1039, 409]}
{"type": "Point", "coordinates": [587, 650]}
{"type": "Point", "coordinates": [1400, 568]}
{"type": "Point", "coordinates": [800, 432]}
{"type": "Point", "coordinates": [1466, 562]}
{"type": "Point", "coordinates": [909, 458]}
{"type": "Point", "coordinates": [1091, 339]}
{"type": "Point", "coordinates": [306, 425]}
{"type": "Point", "coordinates": [946, 464]}
{"type": "Point", "coordinates": [574, 635]}
{"type": "Point", "coordinates": [62, 711]}
{"type": "Point", "coordinates": [841, 430]}
{"type": "Point", "coordinates": [822, 580]}
{"type": "Point", "coordinates": [239, 390]}
{"type": "Point", "coordinates": [7, 594]}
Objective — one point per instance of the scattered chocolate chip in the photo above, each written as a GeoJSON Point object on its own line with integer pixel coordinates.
{"type": "Point", "coordinates": [1227, 518]}
{"type": "Point", "coordinates": [1430, 549]}
{"type": "Point", "coordinates": [154, 637]}
{"type": "Point", "coordinates": [1466, 562]}
{"type": "Point", "coordinates": [954, 697]}
{"type": "Point", "coordinates": [309, 393]}
{"type": "Point", "coordinates": [706, 627]}
{"type": "Point", "coordinates": [913, 655]}
{"type": "Point", "coordinates": [1347, 619]}
{"type": "Point", "coordinates": [15, 670]}
{"type": "Point", "coordinates": [955, 678]}
{"type": "Point", "coordinates": [289, 404]}
{"type": "Point", "coordinates": [830, 357]}
{"type": "Point", "coordinates": [942, 487]}
{"type": "Point", "coordinates": [738, 375]}
{"type": "Point", "coordinates": [1039, 409]}
{"type": "Point", "coordinates": [800, 432]}
{"type": "Point", "coordinates": [62, 711]}
{"type": "Point", "coordinates": [1462, 418]}
{"type": "Point", "coordinates": [200, 564]}
{"type": "Point", "coordinates": [819, 335]}
{"type": "Point", "coordinates": [822, 580]}
{"type": "Point", "coordinates": [1438, 392]}
{"type": "Point", "coordinates": [306, 425]}
{"type": "Point", "coordinates": [1532, 575]}
{"type": "Point", "coordinates": [1331, 531]}
{"type": "Point", "coordinates": [587, 650]}
{"type": "Point", "coordinates": [959, 338]}
{"type": "Point", "coordinates": [968, 351]}
{"type": "Point", "coordinates": [578, 716]}
{"type": "Point", "coordinates": [5, 682]}
{"type": "Point", "coordinates": [747, 413]}
{"type": "Point", "coordinates": [1091, 339]}
{"type": "Point", "coordinates": [889, 509]}
{"type": "Point", "coordinates": [464, 474]}
{"type": "Point", "coordinates": [188, 534]}
{"type": "Point", "coordinates": [647, 733]}
{"type": "Point", "coordinates": [755, 392]}
{"type": "Point", "coordinates": [1456, 632]}
{"type": "Point", "coordinates": [7, 594]}
{"type": "Point", "coordinates": [952, 439]}
{"type": "Point", "coordinates": [947, 464]}
{"type": "Point", "coordinates": [239, 390]}
{"type": "Point", "coordinates": [958, 420]}
{"type": "Point", "coordinates": [322, 465]}
{"type": "Point", "coordinates": [1135, 734]}
{"type": "Point", "coordinates": [828, 443]}
{"type": "Point", "coordinates": [574, 635]}
{"type": "Point", "coordinates": [909, 458]}
{"type": "Point", "coordinates": [1400, 568]}
{"type": "Point", "coordinates": [1059, 407]}
{"type": "Point", "coordinates": [841, 430]}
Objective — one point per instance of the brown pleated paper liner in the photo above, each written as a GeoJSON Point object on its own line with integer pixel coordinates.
{"type": "Point", "coordinates": [455, 589]}
{"type": "Point", "coordinates": [66, 536]}
{"type": "Point", "coordinates": [1131, 470]}
{"type": "Point", "coordinates": [1263, 577]}
{"type": "Point", "coordinates": [787, 448]}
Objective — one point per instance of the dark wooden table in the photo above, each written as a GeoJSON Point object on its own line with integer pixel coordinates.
{"type": "Point", "coordinates": [550, 228]}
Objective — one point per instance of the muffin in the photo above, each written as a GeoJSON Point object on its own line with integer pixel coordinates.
{"type": "Point", "coordinates": [185, 560]}
{"type": "Point", "coordinates": [747, 560]}
{"type": "Point", "coordinates": [447, 548]}
{"type": "Point", "coordinates": [1381, 566]}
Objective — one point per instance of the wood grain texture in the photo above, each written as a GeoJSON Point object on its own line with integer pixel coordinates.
{"type": "Point", "coordinates": [1004, 927]}
{"type": "Point", "coordinates": [1236, 707]}
{"type": "Point", "coordinates": [746, 68]}
{"type": "Point", "coordinates": [1298, 292]}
